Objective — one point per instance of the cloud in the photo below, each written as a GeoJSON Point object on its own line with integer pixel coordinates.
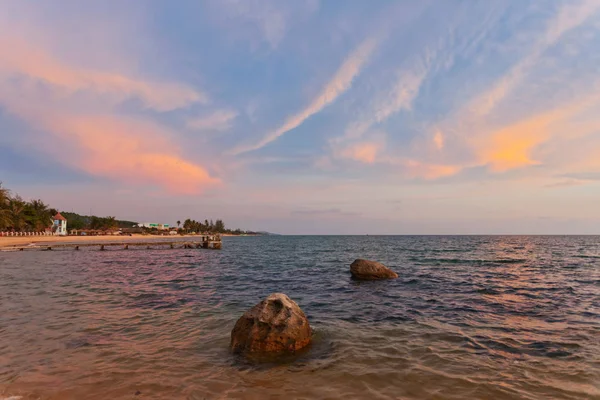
{"type": "Point", "coordinates": [569, 17]}
{"type": "Point", "coordinates": [220, 120]}
{"type": "Point", "coordinates": [511, 146]}
{"type": "Point", "coordinates": [400, 97]}
{"type": "Point", "coordinates": [75, 106]}
{"type": "Point", "coordinates": [566, 183]}
{"type": "Point", "coordinates": [22, 60]}
{"type": "Point", "coordinates": [520, 133]}
{"type": "Point", "coordinates": [364, 152]}
{"type": "Point", "coordinates": [121, 149]}
{"type": "Point", "coordinates": [438, 139]}
{"type": "Point", "coordinates": [325, 212]}
{"type": "Point", "coordinates": [403, 93]}
{"type": "Point", "coordinates": [269, 18]}
{"type": "Point", "coordinates": [586, 176]}
{"type": "Point", "coordinates": [340, 83]}
{"type": "Point", "coordinates": [418, 169]}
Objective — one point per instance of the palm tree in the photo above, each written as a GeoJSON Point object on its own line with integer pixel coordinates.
{"type": "Point", "coordinates": [178, 223]}
{"type": "Point", "coordinates": [16, 206]}
{"type": "Point", "coordinates": [41, 217]}
{"type": "Point", "coordinates": [5, 220]}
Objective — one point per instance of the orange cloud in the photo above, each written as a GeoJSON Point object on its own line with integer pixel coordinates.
{"type": "Point", "coordinates": [438, 140]}
{"type": "Point", "coordinates": [512, 146]}
{"type": "Point", "coordinates": [363, 152]}
{"type": "Point", "coordinates": [123, 149]}
{"type": "Point", "coordinates": [127, 150]}
{"type": "Point", "coordinates": [417, 169]}
{"type": "Point", "coordinates": [21, 59]}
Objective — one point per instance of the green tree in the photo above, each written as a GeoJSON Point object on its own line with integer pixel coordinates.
{"type": "Point", "coordinates": [219, 226]}
{"type": "Point", "coordinates": [95, 222]}
{"type": "Point", "coordinates": [75, 221]}
{"type": "Point", "coordinates": [110, 223]}
{"type": "Point", "coordinates": [38, 215]}
{"type": "Point", "coordinates": [187, 225]}
{"type": "Point", "coordinates": [5, 220]}
{"type": "Point", "coordinates": [16, 208]}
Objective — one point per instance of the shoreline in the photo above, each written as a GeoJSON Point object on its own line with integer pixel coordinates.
{"type": "Point", "coordinates": [9, 242]}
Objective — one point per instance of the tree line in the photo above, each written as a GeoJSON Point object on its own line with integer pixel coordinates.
{"type": "Point", "coordinates": [80, 222]}
{"type": "Point", "coordinates": [19, 215]}
{"type": "Point", "coordinates": [218, 226]}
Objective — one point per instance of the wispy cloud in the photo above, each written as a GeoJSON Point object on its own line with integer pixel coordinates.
{"type": "Point", "coordinates": [220, 120]}
{"type": "Point", "coordinates": [341, 81]}
{"type": "Point", "coordinates": [566, 183]}
{"type": "Point", "coordinates": [331, 212]}
{"type": "Point", "coordinates": [269, 18]}
{"type": "Point", "coordinates": [353, 144]}
{"type": "Point", "coordinates": [569, 17]}
{"type": "Point", "coordinates": [403, 92]}
{"type": "Point", "coordinates": [21, 59]}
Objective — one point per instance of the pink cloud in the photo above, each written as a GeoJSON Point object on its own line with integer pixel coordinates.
{"type": "Point", "coordinates": [127, 150]}
{"type": "Point", "coordinates": [417, 169]}
{"type": "Point", "coordinates": [363, 152]}
{"type": "Point", "coordinates": [21, 58]}
{"type": "Point", "coordinates": [71, 106]}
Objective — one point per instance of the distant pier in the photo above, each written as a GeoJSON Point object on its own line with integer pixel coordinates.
{"type": "Point", "coordinates": [204, 242]}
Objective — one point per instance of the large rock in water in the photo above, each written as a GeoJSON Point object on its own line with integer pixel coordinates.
{"type": "Point", "coordinates": [274, 326]}
{"type": "Point", "coordinates": [370, 270]}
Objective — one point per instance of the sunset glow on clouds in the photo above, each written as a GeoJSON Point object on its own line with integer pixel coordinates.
{"type": "Point", "coordinates": [437, 117]}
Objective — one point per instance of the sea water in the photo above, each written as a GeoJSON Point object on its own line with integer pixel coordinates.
{"type": "Point", "coordinates": [470, 317]}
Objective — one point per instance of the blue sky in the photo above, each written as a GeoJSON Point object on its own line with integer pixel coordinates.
{"type": "Point", "coordinates": [308, 116]}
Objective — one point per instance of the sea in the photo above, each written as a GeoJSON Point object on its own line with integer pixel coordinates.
{"type": "Point", "coordinates": [470, 317]}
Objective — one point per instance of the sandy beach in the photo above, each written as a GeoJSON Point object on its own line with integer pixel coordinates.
{"type": "Point", "coordinates": [7, 242]}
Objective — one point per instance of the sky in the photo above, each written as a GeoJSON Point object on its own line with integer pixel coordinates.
{"type": "Point", "coordinates": [307, 117]}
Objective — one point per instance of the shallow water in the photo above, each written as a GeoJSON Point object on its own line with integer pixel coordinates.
{"type": "Point", "coordinates": [482, 317]}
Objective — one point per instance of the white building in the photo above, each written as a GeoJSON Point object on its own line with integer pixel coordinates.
{"type": "Point", "coordinates": [151, 225]}
{"type": "Point", "coordinates": [59, 225]}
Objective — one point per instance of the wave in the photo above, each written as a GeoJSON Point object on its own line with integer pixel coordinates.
{"type": "Point", "coordinates": [470, 261]}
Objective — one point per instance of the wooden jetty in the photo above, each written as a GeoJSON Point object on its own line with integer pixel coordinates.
{"type": "Point", "coordinates": [205, 242]}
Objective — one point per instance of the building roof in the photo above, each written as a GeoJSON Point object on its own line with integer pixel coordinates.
{"type": "Point", "coordinates": [59, 217]}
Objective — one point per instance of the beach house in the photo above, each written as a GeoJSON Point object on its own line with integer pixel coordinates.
{"type": "Point", "coordinates": [59, 225]}
{"type": "Point", "coordinates": [151, 225]}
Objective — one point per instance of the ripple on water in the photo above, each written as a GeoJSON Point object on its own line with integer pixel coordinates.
{"type": "Point", "coordinates": [469, 317]}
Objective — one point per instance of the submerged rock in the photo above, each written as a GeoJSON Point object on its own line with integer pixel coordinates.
{"type": "Point", "coordinates": [370, 270]}
{"type": "Point", "coordinates": [276, 325]}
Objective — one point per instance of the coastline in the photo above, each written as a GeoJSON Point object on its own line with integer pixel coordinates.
{"type": "Point", "coordinates": [9, 242]}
